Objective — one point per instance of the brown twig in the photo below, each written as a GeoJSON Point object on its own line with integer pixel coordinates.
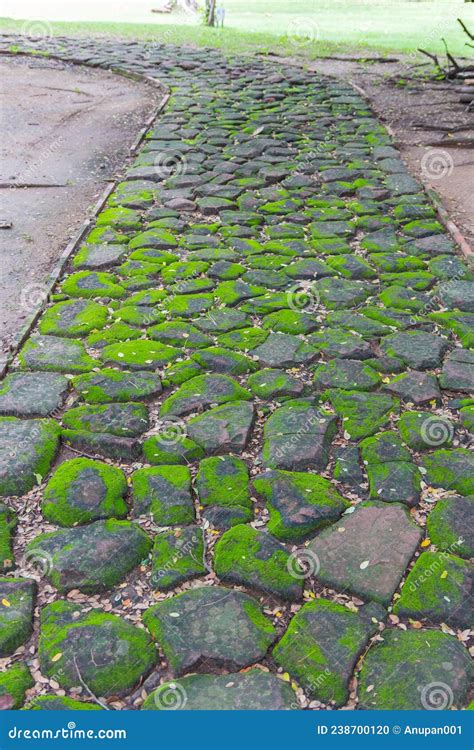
{"type": "Point", "coordinates": [86, 687]}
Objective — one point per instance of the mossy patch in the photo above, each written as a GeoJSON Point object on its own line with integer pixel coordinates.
{"type": "Point", "coordinates": [165, 493]}
{"type": "Point", "coordinates": [14, 683]}
{"type": "Point", "coordinates": [73, 318]}
{"type": "Point", "coordinates": [177, 556]}
{"type": "Point", "coordinates": [115, 386]}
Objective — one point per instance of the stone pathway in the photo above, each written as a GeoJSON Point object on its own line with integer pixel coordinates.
{"type": "Point", "coordinates": [236, 451]}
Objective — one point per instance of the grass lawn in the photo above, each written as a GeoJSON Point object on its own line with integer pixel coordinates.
{"type": "Point", "coordinates": [304, 28]}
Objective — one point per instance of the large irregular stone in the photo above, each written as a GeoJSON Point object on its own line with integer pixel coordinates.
{"type": "Point", "coordinates": [299, 503]}
{"type": "Point", "coordinates": [56, 355]}
{"type": "Point", "coordinates": [367, 551]}
{"type": "Point", "coordinates": [32, 394]}
{"type": "Point", "coordinates": [392, 475]}
{"type": "Point", "coordinates": [457, 295]}
{"type": "Point", "coordinates": [222, 485]}
{"type": "Point", "coordinates": [82, 490]}
{"type": "Point", "coordinates": [251, 558]}
{"type": "Point", "coordinates": [283, 350]}
{"type": "Point", "coordinates": [90, 558]}
{"type": "Point", "coordinates": [416, 387]}
{"type": "Point", "coordinates": [177, 556]}
{"type": "Point", "coordinates": [348, 374]}
{"type": "Point", "coordinates": [73, 318]}
{"type": "Point", "coordinates": [417, 349]}
{"type": "Point", "coordinates": [322, 644]}
{"type": "Point", "coordinates": [254, 690]}
{"type": "Point", "coordinates": [17, 597]}
{"type": "Point", "coordinates": [163, 492]}
{"type": "Point", "coordinates": [438, 589]}
{"type": "Point", "coordinates": [451, 469]}
{"type": "Point", "coordinates": [210, 625]}
{"type": "Point", "coordinates": [297, 437]}
{"type": "Point", "coordinates": [123, 420]}
{"type": "Point", "coordinates": [107, 386]}
{"type": "Point", "coordinates": [201, 392]}
{"type": "Point", "coordinates": [450, 525]}
{"type": "Point", "coordinates": [423, 430]}
{"type": "Point", "coordinates": [27, 450]}
{"type": "Point", "coordinates": [362, 414]}
{"type": "Point", "coordinates": [139, 355]}
{"type": "Point", "coordinates": [273, 383]}
{"type": "Point", "coordinates": [103, 651]}
{"type": "Point", "coordinates": [415, 670]}
{"type": "Point", "coordinates": [458, 371]}
{"type": "Point", "coordinates": [223, 429]}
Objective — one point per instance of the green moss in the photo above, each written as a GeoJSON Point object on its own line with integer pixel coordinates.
{"type": "Point", "coordinates": [460, 322]}
{"type": "Point", "coordinates": [59, 703]}
{"type": "Point", "coordinates": [188, 305]}
{"type": "Point", "coordinates": [158, 237]}
{"type": "Point", "coordinates": [107, 235]}
{"type": "Point", "coordinates": [362, 413]}
{"type": "Point", "coordinates": [177, 556]}
{"type": "Point", "coordinates": [92, 284]}
{"type": "Point", "coordinates": [36, 443]}
{"type": "Point", "coordinates": [138, 315]}
{"type": "Point", "coordinates": [179, 333]}
{"type": "Point", "coordinates": [450, 525]}
{"type": "Point", "coordinates": [8, 523]}
{"type": "Point", "coordinates": [244, 339]}
{"type": "Point", "coordinates": [14, 683]}
{"type": "Point", "coordinates": [165, 493]}
{"type": "Point", "coordinates": [180, 372]}
{"type": "Point", "coordinates": [56, 321]}
{"type": "Point", "coordinates": [451, 469]}
{"type": "Point", "coordinates": [119, 217]}
{"type": "Point", "coordinates": [422, 430]}
{"type": "Point", "coordinates": [223, 480]}
{"type": "Point", "coordinates": [140, 355]}
{"type": "Point", "coordinates": [82, 482]}
{"type": "Point", "coordinates": [126, 652]}
{"type": "Point", "coordinates": [112, 386]}
{"type": "Point", "coordinates": [16, 613]}
{"type": "Point", "coordinates": [125, 420]}
{"type": "Point", "coordinates": [171, 450]}
{"type": "Point", "coordinates": [400, 298]}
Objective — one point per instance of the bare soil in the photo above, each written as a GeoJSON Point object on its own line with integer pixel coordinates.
{"type": "Point", "coordinates": [67, 127]}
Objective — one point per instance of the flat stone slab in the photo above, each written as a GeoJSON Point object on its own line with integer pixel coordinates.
{"type": "Point", "coordinates": [109, 385]}
{"type": "Point", "coordinates": [322, 644]}
{"type": "Point", "coordinates": [299, 503]}
{"type": "Point", "coordinates": [211, 626]}
{"type": "Point", "coordinates": [272, 383]}
{"type": "Point", "coordinates": [457, 373]}
{"type": "Point", "coordinates": [223, 481]}
{"type": "Point", "coordinates": [32, 394]}
{"type": "Point", "coordinates": [201, 392]}
{"type": "Point", "coordinates": [90, 558]}
{"type": "Point", "coordinates": [123, 420]}
{"type": "Point", "coordinates": [362, 414]}
{"type": "Point", "coordinates": [450, 525]}
{"type": "Point", "coordinates": [106, 652]}
{"type": "Point", "coordinates": [451, 469]}
{"type": "Point", "coordinates": [165, 493]}
{"type": "Point", "coordinates": [348, 374]}
{"type": "Point", "coordinates": [83, 490]}
{"type": "Point", "coordinates": [223, 429]}
{"type": "Point", "coordinates": [438, 589]}
{"type": "Point", "coordinates": [55, 354]}
{"type": "Point", "coordinates": [177, 556]}
{"type": "Point", "coordinates": [367, 551]}
{"type": "Point", "coordinates": [27, 450]}
{"type": "Point", "coordinates": [415, 670]}
{"type": "Point", "coordinates": [297, 436]}
{"type": "Point", "coordinates": [417, 349]}
{"type": "Point", "coordinates": [251, 558]}
{"type": "Point", "coordinates": [254, 690]}
{"type": "Point", "coordinates": [17, 597]}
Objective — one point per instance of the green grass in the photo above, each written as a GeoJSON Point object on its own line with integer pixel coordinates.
{"type": "Point", "coordinates": [302, 28]}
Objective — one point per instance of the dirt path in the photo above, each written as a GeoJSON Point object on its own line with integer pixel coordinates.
{"type": "Point", "coordinates": [66, 126]}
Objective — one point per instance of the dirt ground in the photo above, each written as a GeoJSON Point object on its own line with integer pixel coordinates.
{"type": "Point", "coordinates": [422, 116]}
{"type": "Point", "coordinates": [69, 127]}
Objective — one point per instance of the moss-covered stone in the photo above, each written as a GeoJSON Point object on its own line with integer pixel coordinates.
{"type": "Point", "coordinates": [223, 429]}
{"type": "Point", "coordinates": [417, 349]}
{"type": "Point", "coordinates": [127, 420]}
{"type": "Point", "coordinates": [27, 450]}
{"type": "Point", "coordinates": [32, 394]}
{"type": "Point", "coordinates": [181, 334]}
{"type": "Point", "coordinates": [272, 383]}
{"type": "Point", "coordinates": [170, 447]}
{"type": "Point", "coordinates": [55, 354]}
{"type": "Point", "coordinates": [438, 589]}
{"type": "Point", "coordinates": [201, 392]}
{"type": "Point", "coordinates": [341, 344]}
{"type": "Point", "coordinates": [218, 359]}
{"type": "Point", "coordinates": [106, 652]}
{"type": "Point", "coordinates": [188, 305]}
{"type": "Point", "coordinates": [450, 525]}
{"type": "Point", "coordinates": [14, 683]}
{"type": "Point", "coordinates": [82, 490]}
{"type": "Point", "coordinates": [451, 469]}
{"type": "Point", "coordinates": [362, 414]}
{"type": "Point", "coordinates": [414, 387]}
{"type": "Point", "coordinates": [243, 339]}
{"type": "Point", "coordinates": [223, 627]}
{"type": "Point", "coordinates": [60, 703]}
{"type": "Point", "coordinates": [177, 556]}
{"type": "Point", "coordinates": [253, 690]}
{"type": "Point", "coordinates": [90, 558]}
{"type": "Point", "coordinates": [73, 318]}
{"type": "Point", "coordinates": [254, 559]}
{"type": "Point", "coordinates": [348, 374]}
{"type": "Point", "coordinates": [138, 315]}
{"type": "Point", "coordinates": [92, 284]}
{"type": "Point", "coordinates": [158, 238]}
{"type": "Point", "coordinates": [114, 386]}
{"type": "Point", "coordinates": [291, 321]}
{"type": "Point", "coordinates": [17, 596]}
{"type": "Point", "coordinates": [423, 430]}
{"type": "Point", "coordinates": [165, 493]}
{"type": "Point", "coordinates": [322, 644]}
{"type": "Point", "coordinates": [436, 672]}
{"type": "Point", "coordinates": [115, 333]}
{"type": "Point", "coordinates": [299, 503]}
{"type": "Point", "coordinates": [140, 355]}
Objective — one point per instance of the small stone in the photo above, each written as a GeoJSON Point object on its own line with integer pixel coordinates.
{"type": "Point", "coordinates": [211, 624]}
{"type": "Point", "coordinates": [458, 371]}
{"type": "Point", "coordinates": [423, 430]}
{"type": "Point", "coordinates": [282, 349]}
{"type": "Point", "coordinates": [73, 318]}
{"type": "Point", "coordinates": [272, 383]}
{"type": "Point", "coordinates": [139, 355]}
{"type": "Point", "coordinates": [165, 493]}
{"type": "Point", "coordinates": [82, 490]}
{"type": "Point", "coordinates": [348, 374]}
{"type": "Point", "coordinates": [177, 556]}
{"type": "Point", "coordinates": [27, 450]}
{"type": "Point", "coordinates": [17, 596]}
{"type": "Point", "coordinates": [170, 447]}
{"type": "Point", "coordinates": [362, 413]}
{"type": "Point", "coordinates": [450, 525]}
{"type": "Point", "coordinates": [246, 557]}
